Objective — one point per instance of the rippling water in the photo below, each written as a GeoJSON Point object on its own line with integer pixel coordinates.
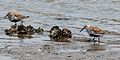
{"type": "Point", "coordinates": [102, 13]}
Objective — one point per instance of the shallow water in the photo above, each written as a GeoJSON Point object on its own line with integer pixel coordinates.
{"type": "Point", "coordinates": [4, 58]}
{"type": "Point", "coordinates": [43, 13]}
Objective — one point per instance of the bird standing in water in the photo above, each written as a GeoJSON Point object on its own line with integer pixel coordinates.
{"type": "Point", "coordinates": [94, 32]}
{"type": "Point", "coordinates": [15, 17]}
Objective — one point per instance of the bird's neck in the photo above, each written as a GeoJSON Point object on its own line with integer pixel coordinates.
{"type": "Point", "coordinates": [89, 31]}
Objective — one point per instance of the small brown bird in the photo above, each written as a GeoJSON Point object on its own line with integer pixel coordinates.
{"type": "Point", "coordinates": [15, 17]}
{"type": "Point", "coordinates": [94, 32]}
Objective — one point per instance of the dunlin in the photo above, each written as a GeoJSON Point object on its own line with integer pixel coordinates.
{"type": "Point", "coordinates": [94, 32]}
{"type": "Point", "coordinates": [15, 17]}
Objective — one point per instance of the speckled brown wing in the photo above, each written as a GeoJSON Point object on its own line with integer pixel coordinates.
{"type": "Point", "coordinates": [20, 16]}
{"type": "Point", "coordinates": [97, 30]}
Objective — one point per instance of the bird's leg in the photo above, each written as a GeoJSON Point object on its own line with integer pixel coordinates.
{"type": "Point", "coordinates": [98, 39]}
{"type": "Point", "coordinates": [15, 24]}
{"type": "Point", "coordinates": [94, 40]}
{"type": "Point", "coordinates": [21, 22]}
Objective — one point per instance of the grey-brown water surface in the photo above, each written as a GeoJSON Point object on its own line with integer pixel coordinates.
{"type": "Point", "coordinates": [46, 13]}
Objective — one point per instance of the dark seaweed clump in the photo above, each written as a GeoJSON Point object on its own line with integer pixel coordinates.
{"type": "Point", "coordinates": [23, 31]}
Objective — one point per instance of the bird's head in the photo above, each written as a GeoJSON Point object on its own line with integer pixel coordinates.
{"type": "Point", "coordinates": [86, 26]}
{"type": "Point", "coordinates": [7, 15]}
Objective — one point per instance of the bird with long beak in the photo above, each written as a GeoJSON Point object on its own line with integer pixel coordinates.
{"type": "Point", "coordinates": [94, 32]}
{"type": "Point", "coordinates": [15, 17]}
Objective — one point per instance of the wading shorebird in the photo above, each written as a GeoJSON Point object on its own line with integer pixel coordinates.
{"type": "Point", "coordinates": [15, 17]}
{"type": "Point", "coordinates": [94, 32]}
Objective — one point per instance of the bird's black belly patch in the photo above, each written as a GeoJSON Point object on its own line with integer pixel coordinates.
{"type": "Point", "coordinates": [93, 35]}
{"type": "Point", "coordinates": [15, 20]}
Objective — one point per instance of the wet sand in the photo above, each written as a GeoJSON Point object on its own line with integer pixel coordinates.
{"type": "Point", "coordinates": [50, 50]}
